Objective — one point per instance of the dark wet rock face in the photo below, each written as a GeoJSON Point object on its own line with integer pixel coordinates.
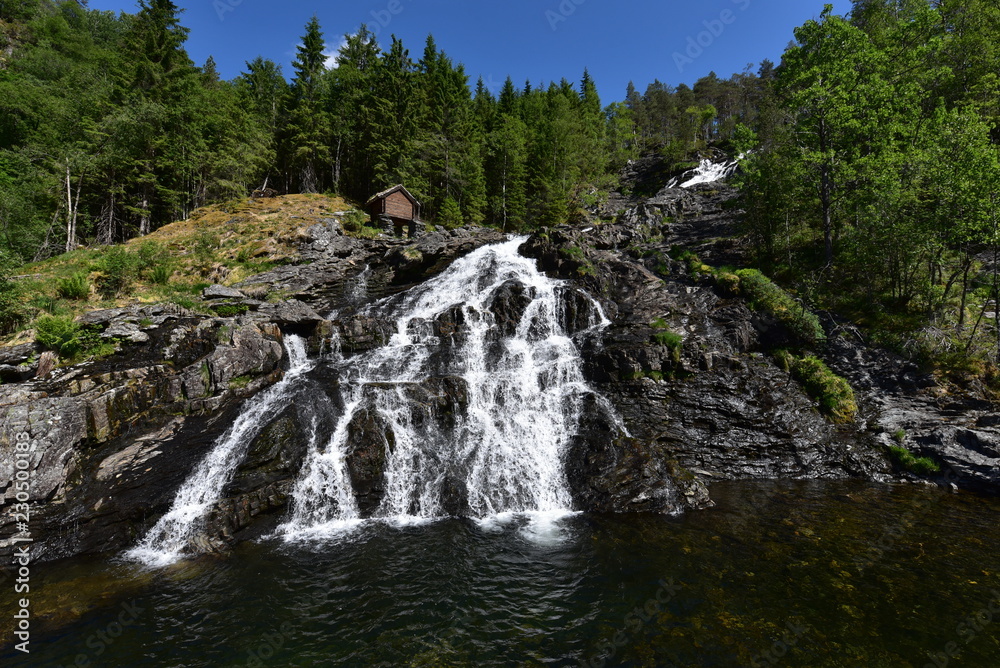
{"type": "Point", "coordinates": [110, 442]}
{"type": "Point", "coordinates": [715, 406]}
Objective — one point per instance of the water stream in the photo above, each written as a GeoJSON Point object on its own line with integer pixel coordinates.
{"type": "Point", "coordinates": [171, 535]}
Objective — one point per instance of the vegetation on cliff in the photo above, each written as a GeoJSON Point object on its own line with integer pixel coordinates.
{"type": "Point", "coordinates": [872, 187]}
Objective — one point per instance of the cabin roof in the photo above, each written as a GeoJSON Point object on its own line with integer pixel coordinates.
{"type": "Point", "coordinates": [389, 191]}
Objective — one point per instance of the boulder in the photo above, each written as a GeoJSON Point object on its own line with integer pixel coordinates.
{"type": "Point", "coordinates": [221, 292]}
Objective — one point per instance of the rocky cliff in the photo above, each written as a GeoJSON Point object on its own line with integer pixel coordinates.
{"type": "Point", "coordinates": [687, 366]}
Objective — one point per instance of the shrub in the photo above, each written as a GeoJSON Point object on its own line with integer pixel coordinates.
{"type": "Point", "coordinates": [664, 337]}
{"type": "Point", "coordinates": [205, 245]}
{"type": "Point", "coordinates": [48, 304]}
{"type": "Point", "coordinates": [161, 274]}
{"type": "Point", "coordinates": [354, 220]}
{"type": "Point", "coordinates": [59, 334]}
{"type": "Point", "coordinates": [906, 459]}
{"type": "Point", "coordinates": [75, 287]}
{"type": "Point", "coordinates": [669, 339]}
{"type": "Point", "coordinates": [573, 252]}
{"type": "Point", "coordinates": [150, 255]}
{"type": "Point", "coordinates": [693, 262]}
{"type": "Point", "coordinates": [368, 232]}
{"type": "Point", "coordinates": [184, 302]}
{"type": "Point", "coordinates": [766, 296]}
{"type": "Point", "coordinates": [835, 396]}
{"type": "Point", "coordinates": [785, 360]}
{"type": "Point", "coordinates": [727, 281]}
{"type": "Point", "coordinates": [229, 310]}
{"type": "Point", "coordinates": [118, 272]}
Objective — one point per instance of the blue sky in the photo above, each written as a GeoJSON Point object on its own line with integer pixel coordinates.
{"type": "Point", "coordinates": [675, 41]}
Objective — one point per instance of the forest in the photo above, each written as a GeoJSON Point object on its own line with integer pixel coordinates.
{"type": "Point", "coordinates": [869, 176]}
{"type": "Point", "coordinates": [872, 183]}
{"type": "Point", "coordinates": [109, 130]}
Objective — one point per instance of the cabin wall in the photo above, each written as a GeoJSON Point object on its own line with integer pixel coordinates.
{"type": "Point", "coordinates": [397, 205]}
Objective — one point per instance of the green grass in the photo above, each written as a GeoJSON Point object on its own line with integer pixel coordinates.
{"type": "Point", "coordinates": [669, 339]}
{"type": "Point", "coordinates": [572, 252]}
{"type": "Point", "coordinates": [726, 280]}
{"type": "Point", "coordinates": [694, 264]}
{"type": "Point", "coordinates": [239, 382]}
{"type": "Point", "coordinates": [834, 394]}
{"type": "Point", "coordinates": [229, 310]}
{"type": "Point", "coordinates": [160, 275]}
{"type": "Point", "coordinates": [664, 337]}
{"type": "Point", "coordinates": [245, 237]}
{"type": "Point", "coordinates": [764, 295]}
{"type": "Point", "coordinates": [355, 220]}
{"type": "Point", "coordinates": [907, 460]}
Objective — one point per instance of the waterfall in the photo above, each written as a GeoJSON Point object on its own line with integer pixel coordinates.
{"type": "Point", "coordinates": [169, 537]}
{"type": "Point", "coordinates": [469, 409]}
{"type": "Point", "coordinates": [520, 375]}
{"type": "Point", "coordinates": [706, 172]}
{"type": "Point", "coordinates": [356, 291]}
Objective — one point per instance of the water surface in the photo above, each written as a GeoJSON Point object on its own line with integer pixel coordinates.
{"type": "Point", "coordinates": [796, 574]}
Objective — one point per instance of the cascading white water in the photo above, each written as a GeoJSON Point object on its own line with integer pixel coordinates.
{"type": "Point", "coordinates": [169, 537]}
{"type": "Point", "coordinates": [524, 395]}
{"type": "Point", "coordinates": [706, 172]}
{"type": "Point", "coordinates": [491, 328]}
{"type": "Point", "coordinates": [356, 291]}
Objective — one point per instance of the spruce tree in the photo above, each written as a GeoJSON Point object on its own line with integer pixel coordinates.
{"type": "Point", "coordinates": [307, 133]}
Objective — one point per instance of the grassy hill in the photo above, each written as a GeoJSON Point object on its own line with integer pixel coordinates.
{"type": "Point", "coordinates": [222, 243]}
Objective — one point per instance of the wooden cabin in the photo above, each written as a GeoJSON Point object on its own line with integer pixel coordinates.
{"type": "Point", "coordinates": [394, 210]}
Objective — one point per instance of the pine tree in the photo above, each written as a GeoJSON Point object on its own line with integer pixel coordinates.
{"type": "Point", "coordinates": [350, 105]}
{"type": "Point", "coordinates": [307, 134]}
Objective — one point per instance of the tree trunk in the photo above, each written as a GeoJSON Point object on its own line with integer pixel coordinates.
{"type": "Point", "coordinates": [826, 195]}
{"type": "Point", "coordinates": [70, 218]}
{"type": "Point", "coordinates": [144, 216]}
{"type": "Point", "coordinates": [336, 166]}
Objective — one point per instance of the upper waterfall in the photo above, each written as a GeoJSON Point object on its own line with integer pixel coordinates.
{"type": "Point", "coordinates": [707, 171]}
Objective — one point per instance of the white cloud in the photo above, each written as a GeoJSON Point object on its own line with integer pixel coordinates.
{"type": "Point", "coordinates": [331, 54]}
